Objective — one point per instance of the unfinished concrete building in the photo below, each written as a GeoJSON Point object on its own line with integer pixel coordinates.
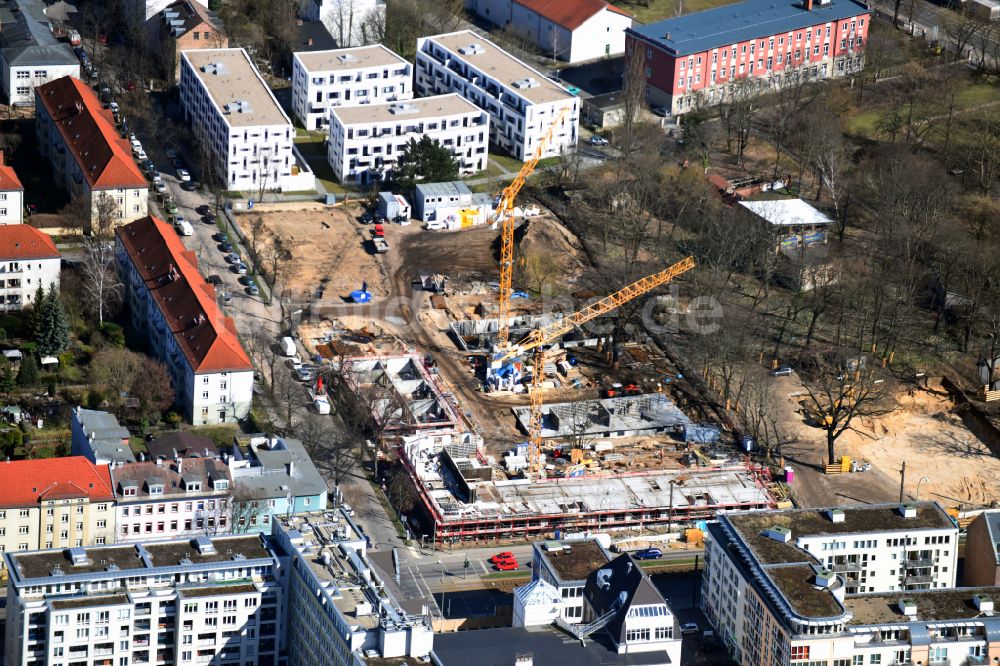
{"type": "Point", "coordinates": [402, 394]}
{"type": "Point", "coordinates": [467, 497]}
{"type": "Point", "coordinates": [628, 416]}
{"type": "Point", "coordinates": [479, 336]}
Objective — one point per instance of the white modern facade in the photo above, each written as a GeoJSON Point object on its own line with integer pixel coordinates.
{"type": "Point", "coordinates": [175, 312]}
{"type": "Point", "coordinates": [365, 141]}
{"type": "Point", "coordinates": [839, 584]}
{"type": "Point", "coordinates": [565, 566]}
{"type": "Point", "coordinates": [350, 22]}
{"type": "Point", "coordinates": [234, 114]}
{"type": "Point", "coordinates": [216, 600]}
{"type": "Point", "coordinates": [521, 101]}
{"type": "Point", "coordinates": [11, 195]}
{"type": "Point", "coordinates": [573, 32]}
{"type": "Point", "coordinates": [28, 260]}
{"type": "Point", "coordinates": [322, 80]}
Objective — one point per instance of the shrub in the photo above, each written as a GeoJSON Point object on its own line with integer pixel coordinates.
{"type": "Point", "coordinates": [113, 333]}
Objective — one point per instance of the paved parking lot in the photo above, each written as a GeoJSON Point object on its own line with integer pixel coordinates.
{"type": "Point", "coordinates": [596, 78]}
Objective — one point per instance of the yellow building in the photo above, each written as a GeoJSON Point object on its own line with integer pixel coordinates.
{"type": "Point", "coordinates": [55, 503]}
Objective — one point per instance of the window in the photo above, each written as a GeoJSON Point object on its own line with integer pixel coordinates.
{"type": "Point", "coordinates": [204, 395]}
{"type": "Point", "coordinates": [79, 509]}
{"type": "Point", "coordinates": [101, 541]}
{"type": "Point", "coordinates": [23, 529]}
{"type": "Point", "coordinates": [800, 652]}
{"type": "Point", "coordinates": [102, 524]}
{"type": "Point", "coordinates": [663, 633]}
{"type": "Point", "coordinates": [875, 658]}
{"type": "Point", "coordinates": [858, 660]}
{"type": "Point", "coordinates": [197, 35]}
{"type": "Point", "coordinates": [23, 513]}
{"type": "Point", "coordinates": [635, 635]}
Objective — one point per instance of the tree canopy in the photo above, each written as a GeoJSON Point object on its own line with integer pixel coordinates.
{"type": "Point", "coordinates": [52, 334]}
{"type": "Point", "coordinates": [424, 161]}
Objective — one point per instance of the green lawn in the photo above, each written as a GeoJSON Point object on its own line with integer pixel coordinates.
{"type": "Point", "coordinates": [505, 162]}
{"type": "Point", "coordinates": [863, 123]}
{"type": "Point", "coordinates": [312, 149]}
{"type": "Point", "coordinates": [657, 10]}
{"type": "Point", "coordinates": [978, 94]}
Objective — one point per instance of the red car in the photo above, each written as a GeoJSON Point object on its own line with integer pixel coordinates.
{"type": "Point", "coordinates": [506, 555]}
{"type": "Point", "coordinates": [506, 565]}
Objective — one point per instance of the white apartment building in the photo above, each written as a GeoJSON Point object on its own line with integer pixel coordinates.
{"type": "Point", "coordinates": [804, 584]}
{"type": "Point", "coordinates": [30, 53]}
{"type": "Point", "coordinates": [522, 102]}
{"type": "Point", "coordinates": [172, 498]}
{"type": "Point", "coordinates": [11, 195]}
{"type": "Point", "coordinates": [338, 608]}
{"type": "Point", "coordinates": [365, 141]}
{"type": "Point", "coordinates": [234, 114]}
{"type": "Point", "coordinates": [174, 310]}
{"type": "Point", "coordinates": [215, 600]}
{"type": "Point", "coordinates": [28, 260]}
{"type": "Point", "coordinates": [322, 80]}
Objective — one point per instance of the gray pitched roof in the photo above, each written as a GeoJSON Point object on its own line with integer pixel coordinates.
{"type": "Point", "coordinates": [620, 584]}
{"type": "Point", "coordinates": [184, 444]}
{"type": "Point", "coordinates": [105, 435]}
{"type": "Point", "coordinates": [26, 38]}
{"type": "Point", "coordinates": [278, 467]}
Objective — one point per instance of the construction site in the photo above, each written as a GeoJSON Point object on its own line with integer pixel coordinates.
{"type": "Point", "coordinates": [513, 423]}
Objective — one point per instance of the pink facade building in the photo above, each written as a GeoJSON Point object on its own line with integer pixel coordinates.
{"type": "Point", "coordinates": [694, 59]}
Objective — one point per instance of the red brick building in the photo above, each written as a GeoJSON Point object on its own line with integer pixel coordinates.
{"type": "Point", "coordinates": [694, 59]}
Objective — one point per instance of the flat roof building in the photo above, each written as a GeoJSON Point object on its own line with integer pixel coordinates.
{"type": "Point", "coordinates": [700, 56]}
{"type": "Point", "coordinates": [99, 437]}
{"type": "Point", "coordinates": [808, 578]}
{"type": "Point", "coordinates": [322, 80]}
{"type": "Point", "coordinates": [235, 115]}
{"type": "Point", "coordinates": [521, 101]}
{"type": "Point", "coordinates": [366, 141]}
{"type": "Point", "coordinates": [565, 566]}
{"type": "Point", "coordinates": [168, 601]}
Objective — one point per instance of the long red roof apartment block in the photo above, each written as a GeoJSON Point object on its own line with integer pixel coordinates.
{"type": "Point", "coordinates": [696, 58]}
{"type": "Point", "coordinates": [176, 311]}
{"type": "Point", "coordinates": [78, 137]}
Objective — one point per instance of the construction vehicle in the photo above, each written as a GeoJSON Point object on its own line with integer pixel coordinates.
{"type": "Point", "coordinates": [545, 335]}
{"type": "Point", "coordinates": [503, 215]}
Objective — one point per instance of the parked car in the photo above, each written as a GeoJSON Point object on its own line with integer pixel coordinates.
{"type": "Point", "coordinates": [227, 298]}
{"type": "Point", "coordinates": [506, 555]}
{"type": "Point", "coordinates": [226, 246]}
{"type": "Point", "coordinates": [183, 227]}
{"type": "Point", "coordinates": [171, 154]}
{"type": "Point", "coordinates": [661, 111]}
{"type": "Point", "coordinates": [506, 565]}
{"type": "Point", "coordinates": [203, 209]}
{"type": "Point", "coordinates": [346, 508]}
{"type": "Point", "coordinates": [305, 373]}
{"type": "Point", "coordinates": [648, 554]}
{"type": "Point", "coordinates": [189, 185]}
{"type": "Point", "coordinates": [240, 268]}
{"type": "Point", "coordinates": [80, 53]}
{"type": "Point", "coordinates": [221, 236]}
{"type": "Point", "coordinates": [140, 155]}
{"type": "Point", "coordinates": [366, 218]}
{"type": "Point", "coordinates": [253, 290]}
{"type": "Point", "coordinates": [234, 258]}
{"type": "Point", "coordinates": [690, 628]}
{"type": "Point", "coordinates": [598, 141]}
{"type": "Point", "coordinates": [434, 225]}
{"type": "Point", "coordinates": [783, 371]}
{"type": "Point", "coordinates": [183, 175]}
{"type": "Point", "coordinates": [246, 280]}
{"type": "Point", "coordinates": [159, 185]}
{"type": "Point", "coordinates": [213, 279]}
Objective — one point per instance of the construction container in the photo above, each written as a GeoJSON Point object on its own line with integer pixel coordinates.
{"type": "Point", "coordinates": [789, 475]}
{"type": "Point", "coordinates": [845, 464]}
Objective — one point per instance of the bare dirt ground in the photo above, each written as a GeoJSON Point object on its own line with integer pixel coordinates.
{"type": "Point", "coordinates": [330, 249]}
{"type": "Point", "coordinates": [936, 445]}
{"type": "Point", "coordinates": [923, 430]}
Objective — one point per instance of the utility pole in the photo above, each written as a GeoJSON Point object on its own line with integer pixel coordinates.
{"type": "Point", "coordinates": [902, 480]}
{"type": "Point", "coordinates": [670, 510]}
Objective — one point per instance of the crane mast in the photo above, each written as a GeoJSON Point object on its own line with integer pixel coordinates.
{"type": "Point", "coordinates": [545, 335]}
{"type": "Point", "coordinates": [503, 214]}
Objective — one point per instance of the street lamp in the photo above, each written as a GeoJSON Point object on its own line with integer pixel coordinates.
{"type": "Point", "coordinates": [916, 496]}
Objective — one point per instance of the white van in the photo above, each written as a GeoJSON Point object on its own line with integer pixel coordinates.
{"type": "Point", "coordinates": [184, 228]}
{"type": "Point", "coordinates": [287, 346]}
{"type": "Point", "coordinates": [322, 404]}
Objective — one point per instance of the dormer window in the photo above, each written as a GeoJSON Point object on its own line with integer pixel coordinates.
{"type": "Point", "coordinates": [220, 484]}
{"type": "Point", "coordinates": [192, 486]}
{"type": "Point", "coordinates": [156, 489]}
{"type": "Point", "coordinates": [129, 492]}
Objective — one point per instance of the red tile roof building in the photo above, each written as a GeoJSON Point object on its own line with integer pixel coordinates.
{"type": "Point", "coordinates": [176, 311]}
{"type": "Point", "coordinates": [11, 195]}
{"type": "Point", "coordinates": [78, 137]}
{"type": "Point", "coordinates": [571, 30]}
{"type": "Point", "coordinates": [55, 503]}
{"type": "Point", "coordinates": [28, 258]}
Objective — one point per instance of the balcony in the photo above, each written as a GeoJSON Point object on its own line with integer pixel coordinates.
{"type": "Point", "coordinates": [917, 580]}
{"type": "Point", "coordinates": [848, 566]}
{"type": "Point", "coordinates": [919, 563]}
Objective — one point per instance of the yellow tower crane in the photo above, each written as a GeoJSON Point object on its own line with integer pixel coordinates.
{"type": "Point", "coordinates": [503, 215]}
{"type": "Point", "coordinates": [545, 335]}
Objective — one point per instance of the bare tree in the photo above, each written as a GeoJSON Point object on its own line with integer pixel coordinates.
{"type": "Point", "coordinates": [116, 369]}
{"type": "Point", "coordinates": [842, 394]}
{"type": "Point", "coordinates": [105, 213]}
{"type": "Point", "coordinates": [632, 98]}
{"type": "Point", "coordinates": [961, 27]}
{"type": "Point", "coordinates": [400, 491]}
{"type": "Point", "coordinates": [738, 107]}
{"type": "Point", "coordinates": [102, 291]}
{"type": "Point", "coordinates": [247, 506]}
{"type": "Point", "coordinates": [329, 447]}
